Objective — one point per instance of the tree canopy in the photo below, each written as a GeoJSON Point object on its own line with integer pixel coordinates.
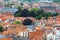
{"type": "Point", "coordinates": [17, 22]}
{"type": "Point", "coordinates": [34, 12]}
{"type": "Point", "coordinates": [27, 22]}
{"type": "Point", "coordinates": [1, 28]}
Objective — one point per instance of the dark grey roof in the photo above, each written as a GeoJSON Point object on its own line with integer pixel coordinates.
{"type": "Point", "coordinates": [8, 10]}
{"type": "Point", "coordinates": [48, 7]}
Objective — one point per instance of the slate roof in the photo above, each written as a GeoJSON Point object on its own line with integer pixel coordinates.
{"type": "Point", "coordinates": [52, 7]}
{"type": "Point", "coordinates": [8, 10]}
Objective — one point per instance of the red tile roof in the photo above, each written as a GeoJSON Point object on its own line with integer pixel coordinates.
{"type": "Point", "coordinates": [36, 35]}
{"type": "Point", "coordinates": [6, 38]}
{"type": "Point", "coordinates": [20, 18]}
{"type": "Point", "coordinates": [8, 32]}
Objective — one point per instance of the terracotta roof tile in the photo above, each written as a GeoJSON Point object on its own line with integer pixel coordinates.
{"type": "Point", "coordinates": [8, 32]}
{"type": "Point", "coordinates": [6, 38]}
{"type": "Point", "coordinates": [36, 35]}
{"type": "Point", "coordinates": [19, 18]}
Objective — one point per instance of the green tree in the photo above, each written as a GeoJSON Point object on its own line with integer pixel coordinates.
{"type": "Point", "coordinates": [17, 14]}
{"type": "Point", "coordinates": [17, 22]}
{"type": "Point", "coordinates": [34, 9]}
{"type": "Point", "coordinates": [38, 17]}
{"type": "Point", "coordinates": [33, 12]}
{"type": "Point", "coordinates": [25, 13]}
{"type": "Point", "coordinates": [19, 8]}
{"type": "Point", "coordinates": [27, 22]}
{"type": "Point", "coordinates": [46, 14]}
{"type": "Point", "coordinates": [1, 28]}
{"type": "Point", "coordinates": [55, 14]}
{"type": "Point", "coordinates": [40, 11]}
